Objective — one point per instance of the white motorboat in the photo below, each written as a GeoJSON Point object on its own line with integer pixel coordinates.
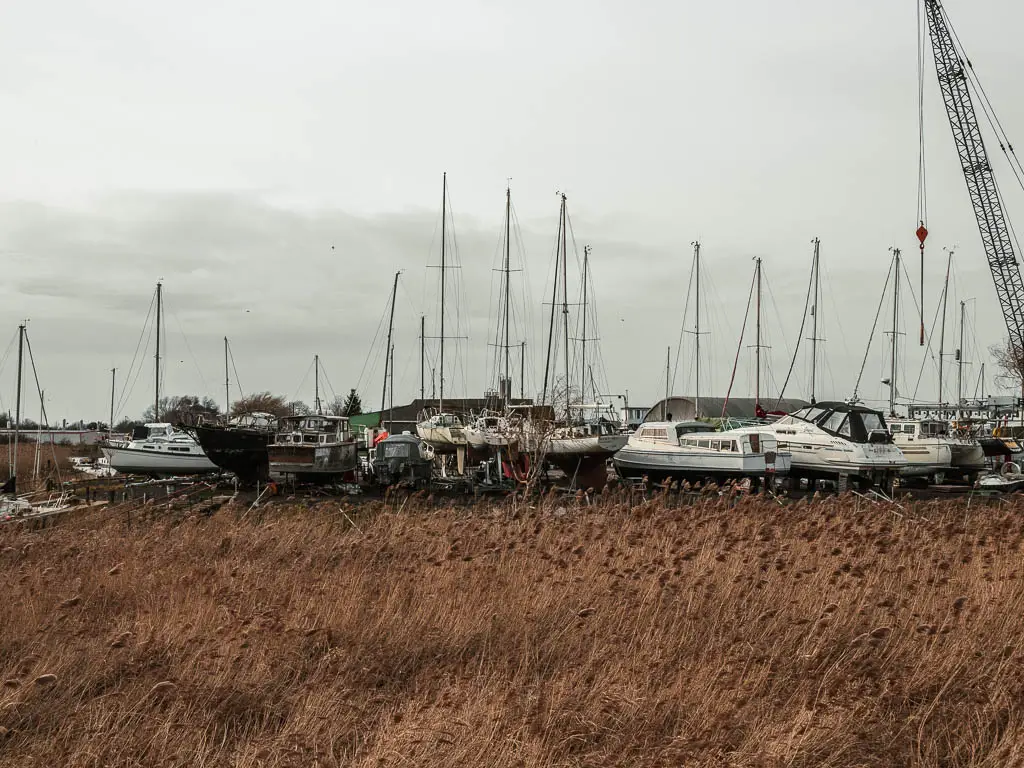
{"type": "Point", "coordinates": [926, 445]}
{"type": "Point", "coordinates": [840, 442]}
{"type": "Point", "coordinates": [1007, 479]}
{"type": "Point", "coordinates": [688, 450]}
{"type": "Point", "coordinates": [444, 432]}
{"type": "Point", "coordinates": [159, 450]}
{"type": "Point", "coordinates": [778, 461]}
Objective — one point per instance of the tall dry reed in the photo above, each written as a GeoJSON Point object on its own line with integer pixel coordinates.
{"type": "Point", "coordinates": [559, 632]}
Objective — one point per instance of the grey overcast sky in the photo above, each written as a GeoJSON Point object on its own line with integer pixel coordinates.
{"type": "Point", "coordinates": [275, 164]}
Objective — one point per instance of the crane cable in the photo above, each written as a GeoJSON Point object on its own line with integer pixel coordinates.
{"type": "Point", "coordinates": [922, 171]}
{"type": "Point", "coordinates": [986, 104]}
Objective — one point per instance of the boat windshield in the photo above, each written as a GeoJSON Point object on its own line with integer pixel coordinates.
{"type": "Point", "coordinates": [872, 422]}
{"type": "Point", "coordinates": [396, 450]}
{"type": "Point", "coordinates": [689, 429]}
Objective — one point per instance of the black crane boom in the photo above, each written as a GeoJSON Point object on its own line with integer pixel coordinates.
{"type": "Point", "coordinates": [981, 182]}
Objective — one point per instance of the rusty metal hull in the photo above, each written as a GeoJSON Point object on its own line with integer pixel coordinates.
{"type": "Point", "coordinates": [313, 462]}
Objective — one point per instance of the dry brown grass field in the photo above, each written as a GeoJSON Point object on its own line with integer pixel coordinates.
{"type": "Point", "coordinates": [832, 632]}
{"type": "Point", "coordinates": [49, 455]}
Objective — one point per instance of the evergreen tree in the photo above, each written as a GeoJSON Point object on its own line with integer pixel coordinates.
{"type": "Point", "coordinates": [353, 404]}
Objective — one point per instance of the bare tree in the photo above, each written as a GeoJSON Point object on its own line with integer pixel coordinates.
{"type": "Point", "coordinates": [1010, 365]}
{"type": "Point", "coordinates": [261, 402]}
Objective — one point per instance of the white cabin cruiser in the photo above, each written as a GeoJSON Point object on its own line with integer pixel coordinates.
{"type": "Point", "coordinates": [840, 442]}
{"type": "Point", "coordinates": [926, 445]}
{"type": "Point", "coordinates": [689, 450]}
{"type": "Point", "coordinates": [159, 450]}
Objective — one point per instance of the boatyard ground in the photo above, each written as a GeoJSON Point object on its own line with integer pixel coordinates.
{"type": "Point", "coordinates": [561, 631]}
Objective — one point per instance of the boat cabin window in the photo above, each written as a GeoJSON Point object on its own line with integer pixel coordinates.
{"type": "Point", "coordinates": [812, 414]}
{"type": "Point", "coordinates": [654, 433]}
{"type": "Point", "coordinates": [834, 421]}
{"type": "Point", "coordinates": [396, 450]}
{"type": "Point", "coordinates": [704, 443]}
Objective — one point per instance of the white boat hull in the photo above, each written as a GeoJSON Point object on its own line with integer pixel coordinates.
{"type": "Point", "coordinates": [137, 461]}
{"type": "Point", "coordinates": [967, 456]}
{"type": "Point", "coordinates": [926, 458]}
{"type": "Point", "coordinates": [633, 461]}
{"type": "Point", "coordinates": [482, 439]}
{"type": "Point", "coordinates": [585, 445]}
{"type": "Point", "coordinates": [442, 438]}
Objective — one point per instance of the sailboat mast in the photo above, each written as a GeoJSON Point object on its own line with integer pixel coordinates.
{"type": "Point", "coordinates": [388, 357]}
{"type": "Point", "coordinates": [522, 370]}
{"type": "Point", "coordinates": [554, 299]}
{"type": "Point", "coordinates": [757, 343]}
{"type": "Point", "coordinates": [942, 334]}
{"type": "Point", "coordinates": [960, 356]}
{"type": "Point", "coordinates": [507, 380]}
{"type": "Point", "coordinates": [696, 263]}
{"type": "Point", "coordinates": [159, 312]}
{"type": "Point", "coordinates": [113, 384]}
{"type": "Point", "coordinates": [583, 337]}
{"type": "Point", "coordinates": [423, 356]}
{"type": "Point", "coordinates": [444, 275]}
{"type": "Point", "coordinates": [895, 332]}
{"type": "Point", "coordinates": [316, 384]}
{"type": "Point", "coordinates": [17, 399]}
{"type": "Point", "coordinates": [668, 369]}
{"type": "Point", "coordinates": [565, 302]}
{"type": "Point", "coordinates": [814, 321]}
{"type": "Point", "coordinates": [391, 412]}
{"type": "Point", "coordinates": [227, 381]}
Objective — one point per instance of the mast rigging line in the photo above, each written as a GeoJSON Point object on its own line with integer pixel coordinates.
{"type": "Point", "coordinates": [799, 337]}
{"type": "Point", "coordinates": [42, 401]}
{"type": "Point", "coordinates": [682, 327]}
{"type": "Point", "coordinates": [929, 354]}
{"type": "Point", "coordinates": [739, 347]}
{"type": "Point", "coordinates": [778, 317]}
{"type": "Point", "coordinates": [188, 346]}
{"type": "Point", "coordinates": [305, 376]}
{"type": "Point", "coordinates": [129, 384]}
{"type": "Point", "coordinates": [874, 327]}
{"type": "Point", "coordinates": [238, 381]}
